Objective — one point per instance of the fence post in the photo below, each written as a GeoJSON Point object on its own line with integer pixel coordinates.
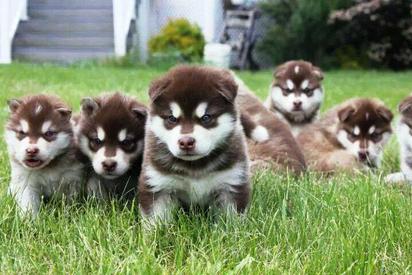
{"type": "Point", "coordinates": [24, 16]}
{"type": "Point", "coordinates": [143, 28]}
{"type": "Point", "coordinates": [213, 15]}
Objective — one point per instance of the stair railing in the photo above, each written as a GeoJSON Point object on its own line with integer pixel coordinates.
{"type": "Point", "coordinates": [123, 14]}
{"type": "Point", "coordinates": [11, 12]}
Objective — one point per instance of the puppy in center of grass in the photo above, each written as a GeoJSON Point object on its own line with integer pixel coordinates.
{"type": "Point", "coordinates": [110, 133]}
{"type": "Point", "coordinates": [195, 151]}
{"type": "Point", "coordinates": [349, 137]}
{"type": "Point", "coordinates": [40, 144]}
{"type": "Point", "coordinates": [296, 94]}
{"type": "Point", "coordinates": [404, 136]}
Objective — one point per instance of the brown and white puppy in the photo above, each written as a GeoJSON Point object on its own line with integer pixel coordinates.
{"type": "Point", "coordinates": [350, 136]}
{"type": "Point", "coordinates": [271, 144]}
{"type": "Point", "coordinates": [296, 93]}
{"type": "Point", "coordinates": [110, 133]}
{"type": "Point", "coordinates": [404, 136]}
{"type": "Point", "coordinates": [39, 139]}
{"type": "Point", "coordinates": [195, 151]}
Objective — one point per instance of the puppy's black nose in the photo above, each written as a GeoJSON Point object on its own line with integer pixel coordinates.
{"type": "Point", "coordinates": [187, 143]}
{"type": "Point", "coordinates": [32, 151]}
{"type": "Point", "coordinates": [363, 156]}
{"type": "Point", "coordinates": [109, 165]}
{"type": "Point", "coordinates": [297, 104]}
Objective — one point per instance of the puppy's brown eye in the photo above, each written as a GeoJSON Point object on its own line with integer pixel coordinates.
{"type": "Point", "coordinates": [376, 136]}
{"type": "Point", "coordinates": [96, 142]}
{"type": "Point", "coordinates": [21, 134]}
{"type": "Point", "coordinates": [127, 144]}
{"type": "Point", "coordinates": [50, 134]}
{"type": "Point", "coordinates": [308, 92]}
{"type": "Point", "coordinates": [172, 119]}
{"type": "Point", "coordinates": [205, 119]}
{"type": "Point", "coordinates": [352, 135]}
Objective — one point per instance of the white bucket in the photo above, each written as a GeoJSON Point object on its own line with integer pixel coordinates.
{"type": "Point", "coordinates": [218, 55]}
{"type": "Point", "coordinates": [238, 2]}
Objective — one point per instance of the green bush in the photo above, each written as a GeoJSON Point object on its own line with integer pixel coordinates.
{"type": "Point", "coordinates": [178, 39]}
{"type": "Point", "coordinates": [299, 29]}
{"type": "Point", "coordinates": [379, 28]}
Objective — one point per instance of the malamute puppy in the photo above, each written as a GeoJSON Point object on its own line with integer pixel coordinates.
{"type": "Point", "coordinates": [195, 151]}
{"type": "Point", "coordinates": [39, 139]}
{"type": "Point", "coordinates": [110, 133]}
{"type": "Point", "coordinates": [296, 94]}
{"type": "Point", "coordinates": [350, 136]}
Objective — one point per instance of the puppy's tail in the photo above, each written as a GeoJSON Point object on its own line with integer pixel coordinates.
{"type": "Point", "coordinates": [253, 130]}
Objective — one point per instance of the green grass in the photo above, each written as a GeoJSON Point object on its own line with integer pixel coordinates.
{"type": "Point", "coordinates": [306, 225]}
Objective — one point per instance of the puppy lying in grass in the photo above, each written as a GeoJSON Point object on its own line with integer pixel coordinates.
{"type": "Point", "coordinates": [351, 136]}
{"type": "Point", "coordinates": [195, 150]}
{"type": "Point", "coordinates": [40, 144]}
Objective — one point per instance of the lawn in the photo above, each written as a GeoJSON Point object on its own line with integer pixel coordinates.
{"type": "Point", "coordinates": [306, 225]}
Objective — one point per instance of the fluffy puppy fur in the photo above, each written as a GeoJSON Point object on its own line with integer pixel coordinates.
{"type": "Point", "coordinates": [39, 140]}
{"type": "Point", "coordinates": [296, 94]}
{"type": "Point", "coordinates": [349, 137]}
{"type": "Point", "coordinates": [271, 144]}
{"type": "Point", "coordinates": [404, 135]}
{"type": "Point", "coordinates": [195, 151]}
{"type": "Point", "coordinates": [110, 133]}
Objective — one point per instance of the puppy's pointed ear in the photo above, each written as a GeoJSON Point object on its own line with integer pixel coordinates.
{"type": "Point", "coordinates": [280, 71]}
{"type": "Point", "coordinates": [385, 113]}
{"type": "Point", "coordinates": [317, 72]}
{"type": "Point", "coordinates": [139, 111]}
{"type": "Point", "coordinates": [66, 113]}
{"type": "Point", "coordinates": [227, 86]}
{"type": "Point", "coordinates": [14, 104]}
{"type": "Point", "coordinates": [89, 106]}
{"type": "Point", "coordinates": [158, 87]}
{"type": "Point", "coordinates": [405, 107]}
{"type": "Point", "coordinates": [345, 113]}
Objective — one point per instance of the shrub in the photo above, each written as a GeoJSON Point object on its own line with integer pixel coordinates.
{"type": "Point", "coordinates": [179, 39]}
{"type": "Point", "coordinates": [299, 29]}
{"type": "Point", "coordinates": [382, 28]}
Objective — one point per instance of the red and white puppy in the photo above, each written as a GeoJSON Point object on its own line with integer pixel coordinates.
{"type": "Point", "coordinates": [350, 136]}
{"type": "Point", "coordinates": [195, 151]}
{"type": "Point", "coordinates": [40, 144]}
{"type": "Point", "coordinates": [296, 94]}
{"type": "Point", "coordinates": [110, 132]}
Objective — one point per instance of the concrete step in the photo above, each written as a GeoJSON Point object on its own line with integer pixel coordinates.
{"type": "Point", "coordinates": [79, 14]}
{"type": "Point", "coordinates": [85, 40]}
{"type": "Point", "coordinates": [44, 26]}
{"type": "Point", "coordinates": [74, 18]}
{"type": "Point", "coordinates": [49, 2]}
{"type": "Point", "coordinates": [61, 55]}
{"type": "Point", "coordinates": [65, 31]}
{"type": "Point", "coordinates": [70, 5]}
